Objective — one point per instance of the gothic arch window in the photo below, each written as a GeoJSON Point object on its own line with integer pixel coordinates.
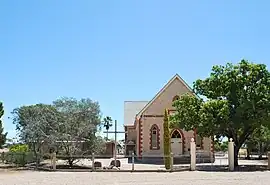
{"type": "Point", "coordinates": [154, 137]}
{"type": "Point", "coordinates": [176, 134]}
{"type": "Point", "coordinates": [176, 98]}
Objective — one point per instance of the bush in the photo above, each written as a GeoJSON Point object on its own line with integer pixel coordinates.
{"type": "Point", "coordinates": [19, 158]}
{"type": "Point", "coordinates": [19, 148]}
{"type": "Point", "coordinates": [167, 143]}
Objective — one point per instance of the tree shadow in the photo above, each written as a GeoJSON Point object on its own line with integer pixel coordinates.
{"type": "Point", "coordinates": [225, 168]}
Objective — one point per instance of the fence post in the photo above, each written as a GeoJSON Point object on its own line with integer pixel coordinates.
{"type": "Point", "coordinates": [171, 161]}
{"type": "Point", "coordinates": [54, 161]}
{"type": "Point", "coordinates": [192, 155]}
{"type": "Point", "coordinates": [3, 157]}
{"type": "Point", "coordinates": [93, 161]}
{"type": "Point", "coordinates": [268, 155]}
{"type": "Point", "coordinates": [231, 154]}
{"type": "Point", "coordinates": [133, 161]}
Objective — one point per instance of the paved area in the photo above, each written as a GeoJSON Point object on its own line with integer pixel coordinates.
{"type": "Point", "coordinates": [120, 178]}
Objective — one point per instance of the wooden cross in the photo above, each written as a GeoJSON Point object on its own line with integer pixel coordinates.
{"type": "Point", "coordinates": [115, 132]}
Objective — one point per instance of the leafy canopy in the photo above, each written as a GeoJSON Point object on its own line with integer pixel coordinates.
{"type": "Point", "coordinates": [237, 102]}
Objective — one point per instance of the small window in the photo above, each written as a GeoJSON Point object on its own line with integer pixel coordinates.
{"type": "Point", "coordinates": [154, 138]}
{"type": "Point", "coordinates": [176, 98]}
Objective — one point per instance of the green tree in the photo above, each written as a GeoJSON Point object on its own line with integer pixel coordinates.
{"type": "Point", "coordinates": [77, 126]}
{"type": "Point", "coordinates": [107, 123]}
{"type": "Point", "coordinates": [37, 126]}
{"type": "Point", "coordinates": [221, 145]}
{"type": "Point", "coordinates": [237, 102]}
{"type": "Point", "coordinates": [259, 140]}
{"type": "Point", "coordinates": [3, 136]}
{"type": "Point", "coordinates": [167, 143]}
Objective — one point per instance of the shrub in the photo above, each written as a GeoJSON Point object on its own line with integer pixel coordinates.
{"type": "Point", "coordinates": [167, 144]}
{"type": "Point", "coordinates": [19, 158]}
{"type": "Point", "coordinates": [19, 148]}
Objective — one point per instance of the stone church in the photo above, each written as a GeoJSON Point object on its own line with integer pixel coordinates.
{"type": "Point", "coordinates": [143, 122]}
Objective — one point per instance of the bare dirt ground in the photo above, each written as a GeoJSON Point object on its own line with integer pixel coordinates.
{"type": "Point", "coordinates": [121, 178]}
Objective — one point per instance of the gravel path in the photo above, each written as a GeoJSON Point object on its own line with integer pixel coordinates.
{"type": "Point", "coordinates": [120, 178]}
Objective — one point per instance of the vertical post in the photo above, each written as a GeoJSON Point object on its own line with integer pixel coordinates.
{"type": "Point", "coordinates": [192, 155]}
{"type": "Point", "coordinates": [231, 154]}
{"type": "Point", "coordinates": [132, 161]}
{"type": "Point", "coordinates": [115, 142]}
{"type": "Point", "coordinates": [93, 162]}
{"type": "Point", "coordinates": [171, 161]}
{"type": "Point", "coordinates": [268, 154]}
{"type": "Point", "coordinates": [54, 161]}
{"type": "Point", "coordinates": [3, 157]}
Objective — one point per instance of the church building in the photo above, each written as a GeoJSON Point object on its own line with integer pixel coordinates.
{"type": "Point", "coordinates": [143, 122]}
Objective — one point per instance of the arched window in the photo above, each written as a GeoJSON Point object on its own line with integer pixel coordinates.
{"type": "Point", "coordinates": [176, 134]}
{"type": "Point", "coordinates": [176, 97]}
{"type": "Point", "coordinates": [154, 138]}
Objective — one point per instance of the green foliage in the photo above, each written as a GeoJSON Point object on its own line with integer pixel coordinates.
{"type": "Point", "coordinates": [167, 143]}
{"type": "Point", "coordinates": [221, 146]}
{"type": "Point", "coordinates": [37, 126]}
{"type": "Point", "coordinates": [77, 126]}
{"type": "Point", "coordinates": [19, 158]}
{"type": "Point", "coordinates": [68, 124]}
{"type": "Point", "coordinates": [107, 123]}
{"type": "Point", "coordinates": [259, 140]}
{"type": "Point", "coordinates": [237, 102]}
{"type": "Point", "coordinates": [19, 148]}
{"type": "Point", "coordinates": [3, 136]}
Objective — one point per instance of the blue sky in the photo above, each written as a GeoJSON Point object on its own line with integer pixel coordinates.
{"type": "Point", "coordinates": [117, 50]}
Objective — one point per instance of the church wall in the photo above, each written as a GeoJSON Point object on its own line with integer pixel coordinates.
{"type": "Point", "coordinates": [147, 123]}
{"type": "Point", "coordinates": [131, 134]}
{"type": "Point", "coordinates": [165, 99]}
{"type": "Point", "coordinates": [207, 143]}
{"type": "Point", "coordinates": [188, 136]}
{"type": "Point", "coordinates": [154, 115]}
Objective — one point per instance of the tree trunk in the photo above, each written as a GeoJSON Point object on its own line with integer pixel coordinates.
{"type": "Point", "coordinates": [107, 135]}
{"type": "Point", "coordinates": [260, 150]}
{"type": "Point", "coordinates": [70, 162]}
{"type": "Point", "coordinates": [37, 159]}
{"type": "Point", "coordinates": [248, 153]}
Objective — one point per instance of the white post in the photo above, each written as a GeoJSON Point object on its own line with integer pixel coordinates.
{"type": "Point", "coordinates": [54, 161]}
{"type": "Point", "coordinates": [171, 161]}
{"type": "Point", "coordinates": [132, 161]}
{"type": "Point", "coordinates": [231, 154]}
{"type": "Point", "coordinates": [93, 162]}
{"type": "Point", "coordinates": [192, 155]}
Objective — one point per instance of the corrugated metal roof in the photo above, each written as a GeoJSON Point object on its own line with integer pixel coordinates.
{"type": "Point", "coordinates": [131, 108]}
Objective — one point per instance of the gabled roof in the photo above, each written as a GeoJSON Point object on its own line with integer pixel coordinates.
{"type": "Point", "coordinates": [163, 89]}
{"type": "Point", "coordinates": [131, 108]}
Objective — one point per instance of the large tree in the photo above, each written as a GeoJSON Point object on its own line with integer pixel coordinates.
{"type": "Point", "coordinates": [77, 127]}
{"type": "Point", "coordinates": [36, 125]}
{"type": "Point", "coordinates": [236, 102]}
{"type": "Point", "coordinates": [3, 136]}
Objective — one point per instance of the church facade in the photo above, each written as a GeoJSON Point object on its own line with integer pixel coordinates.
{"type": "Point", "coordinates": [143, 122]}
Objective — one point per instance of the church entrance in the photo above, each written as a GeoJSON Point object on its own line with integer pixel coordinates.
{"type": "Point", "coordinates": [176, 143]}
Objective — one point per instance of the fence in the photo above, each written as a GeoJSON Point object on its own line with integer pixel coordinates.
{"type": "Point", "coordinates": [194, 160]}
